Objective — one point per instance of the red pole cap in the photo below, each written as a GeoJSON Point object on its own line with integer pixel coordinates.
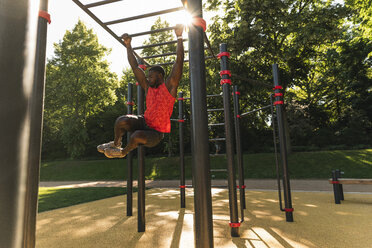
{"type": "Point", "coordinates": [225, 81]}
{"type": "Point", "coordinates": [223, 54]}
{"type": "Point", "coordinates": [200, 22]}
{"type": "Point", "coordinates": [45, 15]}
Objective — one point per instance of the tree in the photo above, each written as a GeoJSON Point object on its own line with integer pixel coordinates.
{"type": "Point", "coordinates": [79, 84]}
{"type": "Point", "coordinates": [297, 35]}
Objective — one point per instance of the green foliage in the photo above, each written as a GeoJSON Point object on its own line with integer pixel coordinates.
{"type": "Point", "coordinates": [324, 54]}
{"type": "Point", "coordinates": [323, 59]}
{"type": "Point", "coordinates": [79, 85]}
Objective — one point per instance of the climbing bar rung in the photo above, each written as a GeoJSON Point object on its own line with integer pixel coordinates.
{"type": "Point", "coordinates": [217, 139]}
{"type": "Point", "coordinates": [171, 63]}
{"type": "Point", "coordinates": [144, 16]}
{"type": "Point", "coordinates": [218, 170]}
{"type": "Point", "coordinates": [161, 55]}
{"type": "Point", "coordinates": [216, 124]}
{"type": "Point", "coordinates": [152, 31]}
{"type": "Point", "coordinates": [86, 10]}
{"type": "Point", "coordinates": [211, 110]}
{"type": "Point", "coordinates": [255, 110]}
{"type": "Point", "coordinates": [91, 5]}
{"type": "Point", "coordinates": [214, 95]}
{"type": "Point", "coordinates": [158, 44]}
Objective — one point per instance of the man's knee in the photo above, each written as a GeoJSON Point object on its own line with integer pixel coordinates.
{"type": "Point", "coordinates": [125, 121]}
{"type": "Point", "coordinates": [121, 120]}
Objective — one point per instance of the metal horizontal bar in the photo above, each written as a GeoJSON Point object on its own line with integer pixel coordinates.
{"type": "Point", "coordinates": [162, 55]}
{"type": "Point", "coordinates": [183, 120]}
{"type": "Point", "coordinates": [91, 5]}
{"type": "Point", "coordinates": [158, 44]}
{"type": "Point", "coordinates": [153, 31]}
{"type": "Point", "coordinates": [217, 139]}
{"type": "Point", "coordinates": [216, 124]}
{"type": "Point", "coordinates": [218, 170]}
{"type": "Point", "coordinates": [255, 110]}
{"type": "Point", "coordinates": [214, 95]}
{"type": "Point", "coordinates": [171, 63]}
{"type": "Point", "coordinates": [86, 10]}
{"type": "Point", "coordinates": [144, 16]}
{"type": "Point", "coordinates": [211, 110]}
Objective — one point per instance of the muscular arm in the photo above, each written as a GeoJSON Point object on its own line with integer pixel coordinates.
{"type": "Point", "coordinates": [176, 73]}
{"type": "Point", "coordinates": [138, 73]}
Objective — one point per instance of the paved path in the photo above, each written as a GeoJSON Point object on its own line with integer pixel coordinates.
{"type": "Point", "coordinates": [264, 184]}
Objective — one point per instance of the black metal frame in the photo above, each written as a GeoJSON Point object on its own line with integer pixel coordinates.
{"type": "Point", "coordinates": [91, 5]}
{"type": "Point", "coordinates": [23, 47]}
{"type": "Point", "coordinates": [36, 125]}
{"type": "Point", "coordinates": [282, 141]}
{"type": "Point", "coordinates": [11, 235]}
{"type": "Point", "coordinates": [158, 44]}
{"type": "Point", "coordinates": [130, 156]}
{"type": "Point", "coordinates": [239, 151]}
{"type": "Point", "coordinates": [255, 110]}
{"type": "Point", "coordinates": [203, 225]}
{"type": "Point", "coordinates": [143, 16]}
{"type": "Point", "coordinates": [141, 164]}
{"type": "Point", "coordinates": [338, 190]}
{"type": "Point", "coordinates": [182, 153]}
{"type": "Point", "coordinates": [234, 218]}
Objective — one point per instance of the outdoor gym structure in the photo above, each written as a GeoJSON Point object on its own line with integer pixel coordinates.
{"type": "Point", "coordinates": [276, 99]}
{"type": "Point", "coordinates": [22, 51]}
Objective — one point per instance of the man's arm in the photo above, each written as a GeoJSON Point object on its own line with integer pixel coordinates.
{"type": "Point", "coordinates": [176, 73]}
{"type": "Point", "coordinates": [138, 73]}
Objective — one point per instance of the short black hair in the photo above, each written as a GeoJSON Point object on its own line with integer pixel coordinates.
{"type": "Point", "coordinates": [158, 68]}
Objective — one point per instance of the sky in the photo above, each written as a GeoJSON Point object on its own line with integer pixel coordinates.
{"type": "Point", "coordinates": [65, 14]}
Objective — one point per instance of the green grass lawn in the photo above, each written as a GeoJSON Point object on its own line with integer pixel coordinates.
{"type": "Point", "coordinates": [355, 163]}
{"type": "Point", "coordinates": [53, 198]}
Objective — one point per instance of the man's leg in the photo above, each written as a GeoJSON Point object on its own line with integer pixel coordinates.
{"type": "Point", "coordinates": [126, 123]}
{"type": "Point", "coordinates": [123, 124]}
{"type": "Point", "coordinates": [148, 138]}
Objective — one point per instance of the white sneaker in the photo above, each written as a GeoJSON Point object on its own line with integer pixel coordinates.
{"type": "Point", "coordinates": [114, 152]}
{"type": "Point", "coordinates": [101, 148]}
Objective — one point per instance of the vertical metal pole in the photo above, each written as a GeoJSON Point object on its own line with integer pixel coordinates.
{"type": "Point", "coordinates": [336, 188]}
{"type": "Point", "coordinates": [276, 153]}
{"type": "Point", "coordinates": [239, 152]}
{"type": "Point", "coordinates": [18, 30]}
{"type": "Point", "coordinates": [338, 173]}
{"type": "Point", "coordinates": [130, 156]}
{"type": "Point", "coordinates": [203, 226]}
{"type": "Point", "coordinates": [141, 166]}
{"type": "Point", "coordinates": [182, 153]}
{"type": "Point", "coordinates": [36, 122]}
{"type": "Point", "coordinates": [282, 142]}
{"type": "Point", "coordinates": [233, 201]}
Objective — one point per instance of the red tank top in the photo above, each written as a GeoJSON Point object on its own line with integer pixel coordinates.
{"type": "Point", "coordinates": [159, 108]}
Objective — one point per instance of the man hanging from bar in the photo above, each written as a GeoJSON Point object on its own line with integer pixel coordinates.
{"type": "Point", "coordinates": [148, 129]}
